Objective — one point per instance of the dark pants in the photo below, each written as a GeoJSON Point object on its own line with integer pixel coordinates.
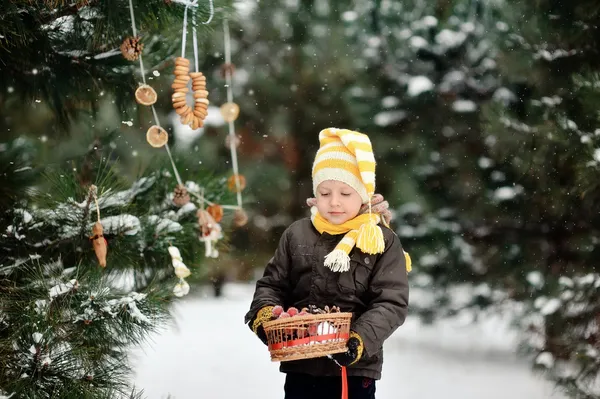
{"type": "Point", "coordinates": [304, 386]}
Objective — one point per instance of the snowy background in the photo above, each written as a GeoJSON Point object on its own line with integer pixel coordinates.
{"type": "Point", "coordinates": [451, 359]}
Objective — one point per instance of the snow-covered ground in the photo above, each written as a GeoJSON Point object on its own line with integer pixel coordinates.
{"type": "Point", "coordinates": [209, 353]}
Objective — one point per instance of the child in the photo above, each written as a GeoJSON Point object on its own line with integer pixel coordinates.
{"type": "Point", "coordinates": [343, 258]}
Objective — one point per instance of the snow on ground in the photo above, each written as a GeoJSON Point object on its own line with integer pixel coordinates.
{"type": "Point", "coordinates": [209, 353]}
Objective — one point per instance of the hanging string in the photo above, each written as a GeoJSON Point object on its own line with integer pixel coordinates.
{"type": "Point", "coordinates": [212, 12]}
{"type": "Point", "coordinates": [194, 33]}
{"type": "Point", "coordinates": [154, 113]}
{"type": "Point", "coordinates": [194, 4]}
{"type": "Point", "coordinates": [232, 138]}
{"type": "Point", "coordinates": [133, 28]}
{"type": "Point", "coordinates": [195, 41]}
{"type": "Point", "coordinates": [227, 59]}
{"type": "Point", "coordinates": [97, 206]}
{"type": "Point", "coordinates": [203, 200]}
{"type": "Point", "coordinates": [183, 39]}
{"type": "Point", "coordinates": [173, 165]}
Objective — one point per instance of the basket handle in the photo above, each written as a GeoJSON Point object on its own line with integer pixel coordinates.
{"type": "Point", "coordinates": [344, 383]}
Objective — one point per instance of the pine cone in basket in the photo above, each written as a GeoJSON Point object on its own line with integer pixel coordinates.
{"type": "Point", "coordinates": [316, 310]}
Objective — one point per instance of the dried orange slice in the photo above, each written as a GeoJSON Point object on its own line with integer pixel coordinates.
{"type": "Point", "coordinates": [216, 211]}
{"type": "Point", "coordinates": [230, 111]}
{"type": "Point", "coordinates": [145, 95]}
{"type": "Point", "coordinates": [231, 183]}
{"type": "Point", "coordinates": [157, 136]}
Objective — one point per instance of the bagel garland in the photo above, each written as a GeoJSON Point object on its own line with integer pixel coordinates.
{"type": "Point", "coordinates": [194, 117]}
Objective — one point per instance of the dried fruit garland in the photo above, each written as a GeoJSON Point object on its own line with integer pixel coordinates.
{"type": "Point", "coordinates": [192, 116]}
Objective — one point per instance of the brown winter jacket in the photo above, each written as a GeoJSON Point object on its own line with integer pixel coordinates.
{"type": "Point", "coordinates": [375, 289]}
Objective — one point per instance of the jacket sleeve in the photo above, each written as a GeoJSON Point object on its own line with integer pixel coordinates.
{"type": "Point", "coordinates": [388, 306]}
{"type": "Point", "coordinates": [273, 287]}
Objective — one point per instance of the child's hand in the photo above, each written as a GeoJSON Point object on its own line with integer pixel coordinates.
{"type": "Point", "coordinates": [263, 315]}
{"type": "Point", "coordinates": [353, 352]}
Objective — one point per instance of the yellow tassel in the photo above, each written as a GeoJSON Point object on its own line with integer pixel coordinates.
{"type": "Point", "coordinates": [408, 261]}
{"type": "Point", "coordinates": [370, 238]}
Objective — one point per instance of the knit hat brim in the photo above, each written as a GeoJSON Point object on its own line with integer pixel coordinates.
{"type": "Point", "coordinates": [343, 176]}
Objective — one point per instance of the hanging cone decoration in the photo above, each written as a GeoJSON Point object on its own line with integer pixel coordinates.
{"type": "Point", "coordinates": [131, 48]}
{"type": "Point", "coordinates": [240, 218]}
{"type": "Point", "coordinates": [182, 197]}
{"type": "Point", "coordinates": [227, 69]}
{"type": "Point", "coordinates": [99, 243]}
{"type": "Point", "coordinates": [236, 141]}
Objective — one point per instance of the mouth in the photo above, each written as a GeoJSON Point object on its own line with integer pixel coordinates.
{"type": "Point", "coordinates": [336, 213]}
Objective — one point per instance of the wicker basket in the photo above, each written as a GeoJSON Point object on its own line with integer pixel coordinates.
{"type": "Point", "coordinates": [306, 337]}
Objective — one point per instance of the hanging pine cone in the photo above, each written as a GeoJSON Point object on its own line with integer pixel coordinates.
{"type": "Point", "coordinates": [227, 69]}
{"type": "Point", "coordinates": [132, 48]}
{"type": "Point", "coordinates": [181, 196]}
{"type": "Point", "coordinates": [236, 141]}
{"type": "Point", "coordinates": [240, 217]}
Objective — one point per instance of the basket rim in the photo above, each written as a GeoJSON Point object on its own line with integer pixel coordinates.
{"type": "Point", "coordinates": [307, 318]}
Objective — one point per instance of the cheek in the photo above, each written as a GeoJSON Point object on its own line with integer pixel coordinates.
{"type": "Point", "coordinates": [353, 205]}
{"type": "Point", "coordinates": [320, 203]}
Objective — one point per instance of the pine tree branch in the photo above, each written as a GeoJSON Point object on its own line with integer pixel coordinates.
{"type": "Point", "coordinates": [71, 9]}
{"type": "Point", "coordinates": [86, 211]}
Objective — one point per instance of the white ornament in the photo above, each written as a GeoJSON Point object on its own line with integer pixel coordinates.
{"type": "Point", "coordinates": [182, 271]}
{"type": "Point", "coordinates": [214, 235]}
{"type": "Point", "coordinates": [174, 252]}
{"type": "Point", "coordinates": [181, 289]}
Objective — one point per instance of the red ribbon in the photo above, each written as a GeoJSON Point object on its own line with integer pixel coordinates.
{"type": "Point", "coordinates": [344, 383]}
{"type": "Point", "coordinates": [303, 341]}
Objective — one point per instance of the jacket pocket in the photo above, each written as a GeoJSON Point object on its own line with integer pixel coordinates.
{"type": "Point", "coordinates": [356, 280]}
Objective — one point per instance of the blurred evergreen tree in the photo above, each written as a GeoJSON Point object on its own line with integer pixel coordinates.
{"type": "Point", "coordinates": [492, 111]}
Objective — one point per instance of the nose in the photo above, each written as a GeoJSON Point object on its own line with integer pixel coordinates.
{"type": "Point", "coordinates": [335, 200]}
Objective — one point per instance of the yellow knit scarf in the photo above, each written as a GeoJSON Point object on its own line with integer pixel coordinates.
{"type": "Point", "coordinates": [362, 232]}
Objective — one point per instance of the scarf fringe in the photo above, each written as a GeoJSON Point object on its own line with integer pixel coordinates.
{"type": "Point", "coordinates": [338, 261]}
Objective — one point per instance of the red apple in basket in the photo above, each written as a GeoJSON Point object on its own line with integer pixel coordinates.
{"type": "Point", "coordinates": [277, 311]}
{"type": "Point", "coordinates": [286, 315]}
{"type": "Point", "coordinates": [292, 311]}
{"type": "Point", "coordinates": [313, 329]}
{"type": "Point", "coordinates": [301, 332]}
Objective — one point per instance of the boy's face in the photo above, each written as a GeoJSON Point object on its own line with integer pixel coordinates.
{"type": "Point", "coordinates": [337, 202]}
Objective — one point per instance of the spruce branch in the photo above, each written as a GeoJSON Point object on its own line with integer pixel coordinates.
{"type": "Point", "coordinates": [92, 193]}
{"type": "Point", "coordinates": [71, 9]}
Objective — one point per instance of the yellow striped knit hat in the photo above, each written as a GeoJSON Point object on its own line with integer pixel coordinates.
{"type": "Point", "coordinates": [347, 156]}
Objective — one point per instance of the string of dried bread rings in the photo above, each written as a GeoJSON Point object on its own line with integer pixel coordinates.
{"type": "Point", "coordinates": [194, 117]}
